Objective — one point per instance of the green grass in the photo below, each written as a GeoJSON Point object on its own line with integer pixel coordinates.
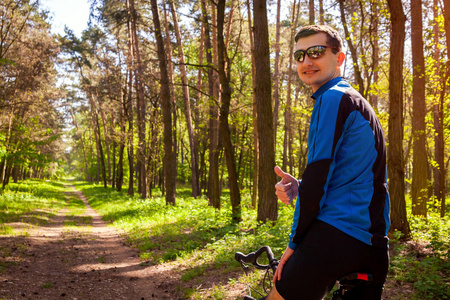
{"type": "Point", "coordinates": [424, 264]}
{"type": "Point", "coordinates": [30, 201]}
{"type": "Point", "coordinates": [202, 241]}
{"type": "Point", "coordinates": [205, 240]}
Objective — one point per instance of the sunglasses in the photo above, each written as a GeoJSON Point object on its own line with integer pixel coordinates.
{"type": "Point", "coordinates": [313, 52]}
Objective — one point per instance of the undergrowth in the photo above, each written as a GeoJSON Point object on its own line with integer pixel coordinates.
{"type": "Point", "coordinates": [424, 261]}
{"type": "Point", "coordinates": [202, 240]}
{"type": "Point", "coordinates": [31, 201]}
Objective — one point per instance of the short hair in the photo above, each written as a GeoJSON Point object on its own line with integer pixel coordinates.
{"type": "Point", "coordinates": [333, 38]}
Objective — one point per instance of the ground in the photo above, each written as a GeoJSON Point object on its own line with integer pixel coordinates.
{"type": "Point", "coordinates": [81, 257]}
{"type": "Point", "coordinates": [56, 261]}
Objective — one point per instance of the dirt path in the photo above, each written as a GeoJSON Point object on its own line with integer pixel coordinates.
{"type": "Point", "coordinates": [90, 261]}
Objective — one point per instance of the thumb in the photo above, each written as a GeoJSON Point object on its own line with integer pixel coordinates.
{"type": "Point", "coordinates": [280, 172]}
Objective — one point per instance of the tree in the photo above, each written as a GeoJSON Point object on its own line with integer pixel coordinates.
{"type": "Point", "coordinates": [214, 146]}
{"type": "Point", "coordinates": [224, 77]}
{"type": "Point", "coordinates": [140, 103]}
{"type": "Point", "coordinates": [420, 164]}
{"type": "Point", "coordinates": [353, 51]}
{"type": "Point", "coordinates": [254, 110]}
{"type": "Point", "coordinates": [447, 76]}
{"type": "Point", "coordinates": [438, 116]}
{"type": "Point", "coordinates": [396, 172]}
{"type": "Point", "coordinates": [187, 107]}
{"type": "Point", "coordinates": [267, 204]}
{"type": "Point", "coordinates": [169, 166]}
{"type": "Point", "coordinates": [288, 128]}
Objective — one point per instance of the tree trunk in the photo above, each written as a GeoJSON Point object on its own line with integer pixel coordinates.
{"type": "Point", "coordinates": [129, 111]}
{"type": "Point", "coordinates": [268, 204]}
{"type": "Point", "coordinates": [172, 90]}
{"type": "Point", "coordinates": [187, 106]}
{"type": "Point", "coordinates": [119, 181]}
{"type": "Point", "coordinates": [214, 150]}
{"type": "Point", "coordinates": [169, 166]}
{"type": "Point", "coordinates": [98, 140]}
{"type": "Point", "coordinates": [105, 133]}
{"type": "Point", "coordinates": [395, 150]}
{"type": "Point", "coordinates": [224, 73]}
{"type": "Point", "coordinates": [311, 12]}
{"type": "Point", "coordinates": [375, 52]}
{"type": "Point", "coordinates": [288, 132]}
{"type": "Point", "coordinates": [438, 86]}
{"type": "Point", "coordinates": [447, 76]}
{"type": "Point", "coordinates": [420, 164]}
{"type": "Point", "coordinates": [254, 111]}
{"type": "Point", "coordinates": [321, 13]}
{"type": "Point", "coordinates": [140, 102]}
{"type": "Point", "coordinates": [201, 167]}
{"type": "Point", "coordinates": [276, 73]}
{"type": "Point", "coordinates": [354, 54]}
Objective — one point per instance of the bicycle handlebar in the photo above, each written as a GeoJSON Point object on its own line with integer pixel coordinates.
{"type": "Point", "coordinates": [252, 258]}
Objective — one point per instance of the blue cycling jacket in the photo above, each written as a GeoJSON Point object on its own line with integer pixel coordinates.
{"type": "Point", "coordinates": [344, 183]}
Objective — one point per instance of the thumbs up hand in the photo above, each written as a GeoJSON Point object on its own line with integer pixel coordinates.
{"type": "Point", "coordinates": [287, 188]}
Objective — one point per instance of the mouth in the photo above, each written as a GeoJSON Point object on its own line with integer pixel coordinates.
{"type": "Point", "coordinates": [310, 72]}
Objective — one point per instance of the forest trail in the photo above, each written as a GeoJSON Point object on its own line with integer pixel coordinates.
{"type": "Point", "coordinates": [78, 257]}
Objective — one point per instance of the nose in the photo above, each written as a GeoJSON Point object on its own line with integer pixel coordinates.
{"type": "Point", "coordinates": [307, 60]}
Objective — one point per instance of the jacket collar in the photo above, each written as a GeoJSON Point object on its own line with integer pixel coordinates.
{"type": "Point", "coordinates": [326, 87]}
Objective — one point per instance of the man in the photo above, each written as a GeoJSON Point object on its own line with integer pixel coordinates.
{"type": "Point", "coordinates": [342, 212]}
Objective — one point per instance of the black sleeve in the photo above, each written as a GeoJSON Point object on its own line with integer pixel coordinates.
{"type": "Point", "coordinates": [311, 190]}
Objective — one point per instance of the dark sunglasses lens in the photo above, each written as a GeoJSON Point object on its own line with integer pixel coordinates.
{"type": "Point", "coordinates": [316, 51]}
{"type": "Point", "coordinates": [299, 55]}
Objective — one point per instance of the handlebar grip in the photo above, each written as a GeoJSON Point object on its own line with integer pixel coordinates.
{"type": "Point", "coordinates": [252, 258]}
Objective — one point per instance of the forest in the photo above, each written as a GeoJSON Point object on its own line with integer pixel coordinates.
{"type": "Point", "coordinates": [170, 116]}
{"type": "Point", "coordinates": [158, 95]}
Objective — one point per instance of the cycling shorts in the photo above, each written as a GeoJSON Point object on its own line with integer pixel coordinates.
{"type": "Point", "coordinates": [326, 254]}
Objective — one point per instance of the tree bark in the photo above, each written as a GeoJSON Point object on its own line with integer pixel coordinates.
{"type": "Point", "coordinates": [375, 52]}
{"type": "Point", "coordinates": [396, 173]}
{"type": "Point", "coordinates": [224, 73]}
{"type": "Point", "coordinates": [100, 154]}
{"type": "Point", "coordinates": [321, 13]}
{"type": "Point", "coordinates": [420, 163]}
{"type": "Point", "coordinates": [288, 132]}
{"type": "Point", "coordinates": [276, 73]}
{"type": "Point", "coordinates": [187, 107]}
{"type": "Point", "coordinates": [140, 102]}
{"type": "Point", "coordinates": [214, 150]}
{"type": "Point", "coordinates": [447, 76]}
{"type": "Point", "coordinates": [268, 204]}
{"type": "Point", "coordinates": [254, 111]}
{"type": "Point", "coordinates": [172, 90]}
{"type": "Point", "coordinates": [353, 51]}
{"type": "Point", "coordinates": [201, 160]}
{"type": "Point", "coordinates": [438, 116]}
{"type": "Point", "coordinates": [311, 12]}
{"type": "Point", "coordinates": [169, 166]}
{"type": "Point", "coordinates": [105, 133]}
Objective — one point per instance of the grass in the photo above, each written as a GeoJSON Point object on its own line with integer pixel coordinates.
{"type": "Point", "coordinates": [428, 254]}
{"type": "Point", "coordinates": [31, 201]}
{"type": "Point", "coordinates": [202, 241]}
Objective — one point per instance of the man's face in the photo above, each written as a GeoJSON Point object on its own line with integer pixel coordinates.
{"type": "Point", "coordinates": [318, 71]}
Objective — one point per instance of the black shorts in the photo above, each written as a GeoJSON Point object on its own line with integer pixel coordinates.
{"type": "Point", "coordinates": [324, 255]}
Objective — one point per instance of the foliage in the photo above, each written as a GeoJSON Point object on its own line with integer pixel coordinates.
{"type": "Point", "coordinates": [204, 240]}
{"type": "Point", "coordinates": [30, 123]}
{"type": "Point", "coordinates": [35, 200]}
{"type": "Point", "coordinates": [427, 254]}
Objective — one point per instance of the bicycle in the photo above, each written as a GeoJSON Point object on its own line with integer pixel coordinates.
{"type": "Point", "coordinates": [348, 284]}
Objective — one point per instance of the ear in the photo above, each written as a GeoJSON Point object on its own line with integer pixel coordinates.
{"type": "Point", "coordinates": [341, 58]}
